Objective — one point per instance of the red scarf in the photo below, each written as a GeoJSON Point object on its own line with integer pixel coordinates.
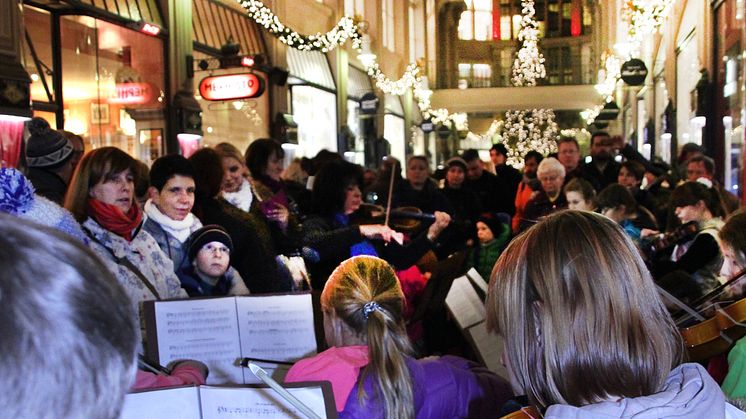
{"type": "Point", "coordinates": [113, 219]}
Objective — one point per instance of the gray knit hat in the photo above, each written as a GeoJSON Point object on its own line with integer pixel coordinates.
{"type": "Point", "coordinates": [46, 147]}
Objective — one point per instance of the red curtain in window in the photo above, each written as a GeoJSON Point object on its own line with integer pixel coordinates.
{"type": "Point", "coordinates": [496, 22]}
{"type": "Point", "coordinates": [576, 16]}
{"type": "Point", "coordinates": [11, 135]}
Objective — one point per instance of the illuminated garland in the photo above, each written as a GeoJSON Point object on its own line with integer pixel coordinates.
{"type": "Point", "coordinates": [645, 17]}
{"type": "Point", "coordinates": [533, 129]}
{"type": "Point", "coordinates": [346, 29]}
{"type": "Point", "coordinates": [528, 66]}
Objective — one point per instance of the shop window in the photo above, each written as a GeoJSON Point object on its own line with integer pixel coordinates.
{"type": "Point", "coordinates": [37, 53]}
{"type": "Point", "coordinates": [354, 7]}
{"type": "Point", "coordinates": [113, 86]}
{"type": "Point", "coordinates": [476, 21]}
{"type": "Point", "coordinates": [315, 112]}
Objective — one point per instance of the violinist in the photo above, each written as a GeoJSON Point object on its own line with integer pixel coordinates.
{"type": "Point", "coordinates": [733, 246]}
{"type": "Point", "coordinates": [690, 269]}
{"type": "Point", "coordinates": [586, 334]}
{"type": "Point", "coordinates": [334, 238]}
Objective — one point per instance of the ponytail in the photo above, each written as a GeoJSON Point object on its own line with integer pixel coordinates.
{"type": "Point", "coordinates": [364, 292]}
{"type": "Point", "coordinates": [387, 344]}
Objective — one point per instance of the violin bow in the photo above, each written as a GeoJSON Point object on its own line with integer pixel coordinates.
{"type": "Point", "coordinates": [699, 301]}
{"type": "Point", "coordinates": [391, 194]}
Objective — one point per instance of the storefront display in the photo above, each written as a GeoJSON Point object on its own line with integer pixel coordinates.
{"type": "Point", "coordinates": [112, 81]}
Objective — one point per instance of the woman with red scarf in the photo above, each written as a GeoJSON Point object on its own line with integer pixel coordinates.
{"type": "Point", "coordinates": [101, 197]}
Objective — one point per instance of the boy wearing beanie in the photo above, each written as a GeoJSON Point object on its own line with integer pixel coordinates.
{"type": "Point", "coordinates": [207, 273]}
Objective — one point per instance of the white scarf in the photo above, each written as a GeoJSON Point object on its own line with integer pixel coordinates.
{"type": "Point", "coordinates": [241, 199]}
{"type": "Point", "coordinates": [179, 229]}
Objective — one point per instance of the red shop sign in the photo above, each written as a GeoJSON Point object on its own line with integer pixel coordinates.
{"type": "Point", "coordinates": [131, 94]}
{"type": "Point", "coordinates": [232, 86]}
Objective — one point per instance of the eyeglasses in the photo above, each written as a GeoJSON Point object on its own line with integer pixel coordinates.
{"type": "Point", "coordinates": [216, 248]}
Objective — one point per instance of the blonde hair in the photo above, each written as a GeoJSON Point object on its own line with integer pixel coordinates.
{"type": "Point", "coordinates": [583, 321]}
{"type": "Point", "coordinates": [225, 150]}
{"type": "Point", "coordinates": [353, 284]}
{"type": "Point", "coordinates": [97, 166]}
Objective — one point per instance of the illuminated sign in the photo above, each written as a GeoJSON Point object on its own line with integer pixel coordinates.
{"type": "Point", "coordinates": [232, 86]}
{"type": "Point", "coordinates": [131, 94]}
{"type": "Point", "coordinates": [247, 61]}
{"type": "Point", "coordinates": [149, 29]}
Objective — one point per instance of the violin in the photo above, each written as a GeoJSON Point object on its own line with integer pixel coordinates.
{"type": "Point", "coordinates": [714, 335]}
{"type": "Point", "coordinates": [404, 219]}
{"type": "Point", "coordinates": [661, 242]}
{"type": "Point", "coordinates": [528, 412]}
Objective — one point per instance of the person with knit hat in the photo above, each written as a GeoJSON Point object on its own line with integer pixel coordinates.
{"type": "Point", "coordinates": [17, 198]}
{"type": "Point", "coordinates": [208, 272]}
{"type": "Point", "coordinates": [494, 236]}
{"type": "Point", "coordinates": [49, 158]}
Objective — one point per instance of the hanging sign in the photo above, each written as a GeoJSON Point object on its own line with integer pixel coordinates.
{"type": "Point", "coordinates": [609, 112]}
{"type": "Point", "coordinates": [231, 86]}
{"type": "Point", "coordinates": [131, 94]}
{"type": "Point", "coordinates": [427, 126]}
{"type": "Point", "coordinates": [369, 104]}
{"type": "Point", "coordinates": [634, 72]}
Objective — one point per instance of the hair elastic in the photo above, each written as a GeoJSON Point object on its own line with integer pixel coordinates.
{"type": "Point", "coordinates": [370, 307]}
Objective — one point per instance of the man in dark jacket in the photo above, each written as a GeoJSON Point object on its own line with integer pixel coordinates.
{"type": "Point", "coordinates": [493, 192]}
{"type": "Point", "coordinates": [602, 167]}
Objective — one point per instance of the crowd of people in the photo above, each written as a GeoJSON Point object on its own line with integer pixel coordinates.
{"type": "Point", "coordinates": [573, 251]}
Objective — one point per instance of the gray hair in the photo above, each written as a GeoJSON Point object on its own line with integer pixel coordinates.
{"type": "Point", "coordinates": [68, 334]}
{"type": "Point", "coordinates": [550, 165]}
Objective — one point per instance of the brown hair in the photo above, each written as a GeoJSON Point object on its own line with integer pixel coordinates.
{"type": "Point", "coordinates": [582, 322]}
{"type": "Point", "coordinates": [581, 186]}
{"type": "Point", "coordinates": [364, 280]}
{"type": "Point", "coordinates": [97, 166]}
{"type": "Point", "coordinates": [733, 235]}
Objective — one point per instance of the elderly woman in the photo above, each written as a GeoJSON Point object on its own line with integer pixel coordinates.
{"type": "Point", "coordinates": [101, 197]}
{"type": "Point", "coordinates": [586, 333]}
{"type": "Point", "coordinates": [551, 175]}
{"type": "Point", "coordinates": [332, 235]}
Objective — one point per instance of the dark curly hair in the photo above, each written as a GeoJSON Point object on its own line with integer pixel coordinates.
{"type": "Point", "coordinates": [331, 183]}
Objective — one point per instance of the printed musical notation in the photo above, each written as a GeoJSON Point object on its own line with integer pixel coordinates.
{"type": "Point", "coordinates": [219, 331]}
{"type": "Point", "coordinates": [277, 327]}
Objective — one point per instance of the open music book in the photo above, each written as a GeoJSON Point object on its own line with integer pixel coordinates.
{"type": "Point", "coordinates": [209, 402]}
{"type": "Point", "coordinates": [220, 331]}
{"type": "Point", "coordinates": [465, 302]}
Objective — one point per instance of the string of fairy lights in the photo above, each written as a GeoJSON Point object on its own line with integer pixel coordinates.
{"type": "Point", "coordinates": [641, 17]}
{"type": "Point", "coordinates": [526, 129]}
{"type": "Point", "coordinates": [349, 30]}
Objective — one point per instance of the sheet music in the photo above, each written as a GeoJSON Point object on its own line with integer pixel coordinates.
{"type": "Point", "coordinates": [489, 347]}
{"type": "Point", "coordinates": [201, 329]}
{"type": "Point", "coordinates": [174, 403]}
{"type": "Point", "coordinates": [276, 327]}
{"type": "Point", "coordinates": [464, 303]}
{"type": "Point", "coordinates": [477, 280]}
{"type": "Point", "coordinates": [264, 403]}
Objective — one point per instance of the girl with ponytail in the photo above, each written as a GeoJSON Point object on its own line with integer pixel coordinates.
{"type": "Point", "coordinates": [692, 267]}
{"type": "Point", "coordinates": [369, 352]}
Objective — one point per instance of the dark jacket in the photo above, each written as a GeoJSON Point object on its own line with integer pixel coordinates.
{"type": "Point", "coordinates": [332, 241]}
{"type": "Point", "coordinates": [253, 253]}
{"type": "Point", "coordinates": [493, 193]}
{"type": "Point", "coordinates": [540, 206]}
{"type": "Point", "coordinates": [602, 178]}
{"type": "Point", "coordinates": [47, 184]}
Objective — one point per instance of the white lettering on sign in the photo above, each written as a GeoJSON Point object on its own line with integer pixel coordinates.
{"type": "Point", "coordinates": [235, 86]}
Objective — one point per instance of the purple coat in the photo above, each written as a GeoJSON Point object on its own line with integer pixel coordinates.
{"type": "Point", "coordinates": [445, 387]}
